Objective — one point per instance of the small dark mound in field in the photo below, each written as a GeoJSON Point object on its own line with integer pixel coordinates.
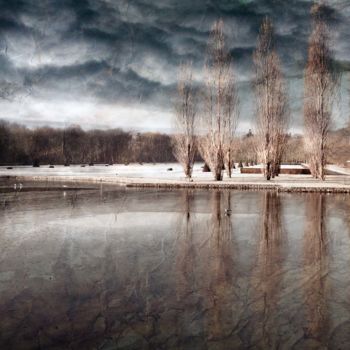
{"type": "Point", "coordinates": [206, 168]}
{"type": "Point", "coordinates": [106, 164]}
{"type": "Point", "coordinates": [9, 167]}
{"type": "Point", "coordinates": [170, 169]}
{"type": "Point", "coordinates": [91, 164]}
{"type": "Point", "coordinates": [51, 166]}
{"type": "Point", "coordinates": [83, 165]}
{"type": "Point", "coordinates": [66, 164]}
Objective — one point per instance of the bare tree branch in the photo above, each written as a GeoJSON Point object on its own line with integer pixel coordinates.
{"type": "Point", "coordinates": [220, 116]}
{"type": "Point", "coordinates": [321, 83]}
{"type": "Point", "coordinates": [184, 141]}
{"type": "Point", "coordinates": [271, 98]}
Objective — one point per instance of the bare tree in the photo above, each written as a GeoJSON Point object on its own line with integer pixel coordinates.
{"type": "Point", "coordinates": [231, 114]}
{"type": "Point", "coordinates": [184, 140]}
{"type": "Point", "coordinates": [321, 83]}
{"type": "Point", "coordinates": [221, 105]}
{"type": "Point", "coordinates": [272, 111]}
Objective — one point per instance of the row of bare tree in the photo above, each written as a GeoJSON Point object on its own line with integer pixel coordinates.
{"type": "Point", "coordinates": [220, 113]}
{"type": "Point", "coordinates": [210, 129]}
{"type": "Point", "coordinates": [73, 145]}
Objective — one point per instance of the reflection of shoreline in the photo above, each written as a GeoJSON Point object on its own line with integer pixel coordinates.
{"type": "Point", "coordinates": [185, 281]}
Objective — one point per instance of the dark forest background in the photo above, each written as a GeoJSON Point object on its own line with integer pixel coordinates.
{"type": "Point", "coordinates": [73, 145]}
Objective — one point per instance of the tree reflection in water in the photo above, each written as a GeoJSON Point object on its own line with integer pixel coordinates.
{"type": "Point", "coordinates": [223, 313]}
{"type": "Point", "coordinates": [192, 271]}
{"type": "Point", "coordinates": [205, 273]}
{"type": "Point", "coordinates": [185, 248]}
{"type": "Point", "coordinates": [316, 270]}
{"type": "Point", "coordinates": [268, 273]}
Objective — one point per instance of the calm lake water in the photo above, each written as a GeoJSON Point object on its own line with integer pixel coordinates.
{"type": "Point", "coordinates": [112, 268]}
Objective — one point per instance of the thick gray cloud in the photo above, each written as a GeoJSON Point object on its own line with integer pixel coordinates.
{"type": "Point", "coordinates": [104, 63]}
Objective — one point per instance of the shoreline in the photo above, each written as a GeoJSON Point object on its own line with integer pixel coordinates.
{"type": "Point", "coordinates": [287, 184]}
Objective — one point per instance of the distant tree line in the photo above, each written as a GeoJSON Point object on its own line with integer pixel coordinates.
{"type": "Point", "coordinates": [337, 151]}
{"type": "Point", "coordinates": [73, 145]}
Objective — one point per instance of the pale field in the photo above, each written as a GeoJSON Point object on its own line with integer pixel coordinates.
{"type": "Point", "coordinates": [160, 174]}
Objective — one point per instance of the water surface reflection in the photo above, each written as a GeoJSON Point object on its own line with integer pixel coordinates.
{"type": "Point", "coordinates": [118, 269]}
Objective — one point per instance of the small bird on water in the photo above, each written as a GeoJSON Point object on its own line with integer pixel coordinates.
{"type": "Point", "coordinates": [20, 186]}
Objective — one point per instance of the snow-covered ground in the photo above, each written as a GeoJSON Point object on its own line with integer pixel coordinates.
{"type": "Point", "coordinates": [284, 166]}
{"type": "Point", "coordinates": [338, 169]}
{"type": "Point", "coordinates": [156, 170]}
{"type": "Point", "coordinates": [134, 170]}
{"type": "Point", "coordinates": [160, 175]}
{"type": "Point", "coordinates": [131, 170]}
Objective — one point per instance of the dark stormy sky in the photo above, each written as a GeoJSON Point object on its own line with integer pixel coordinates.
{"type": "Point", "coordinates": [113, 63]}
